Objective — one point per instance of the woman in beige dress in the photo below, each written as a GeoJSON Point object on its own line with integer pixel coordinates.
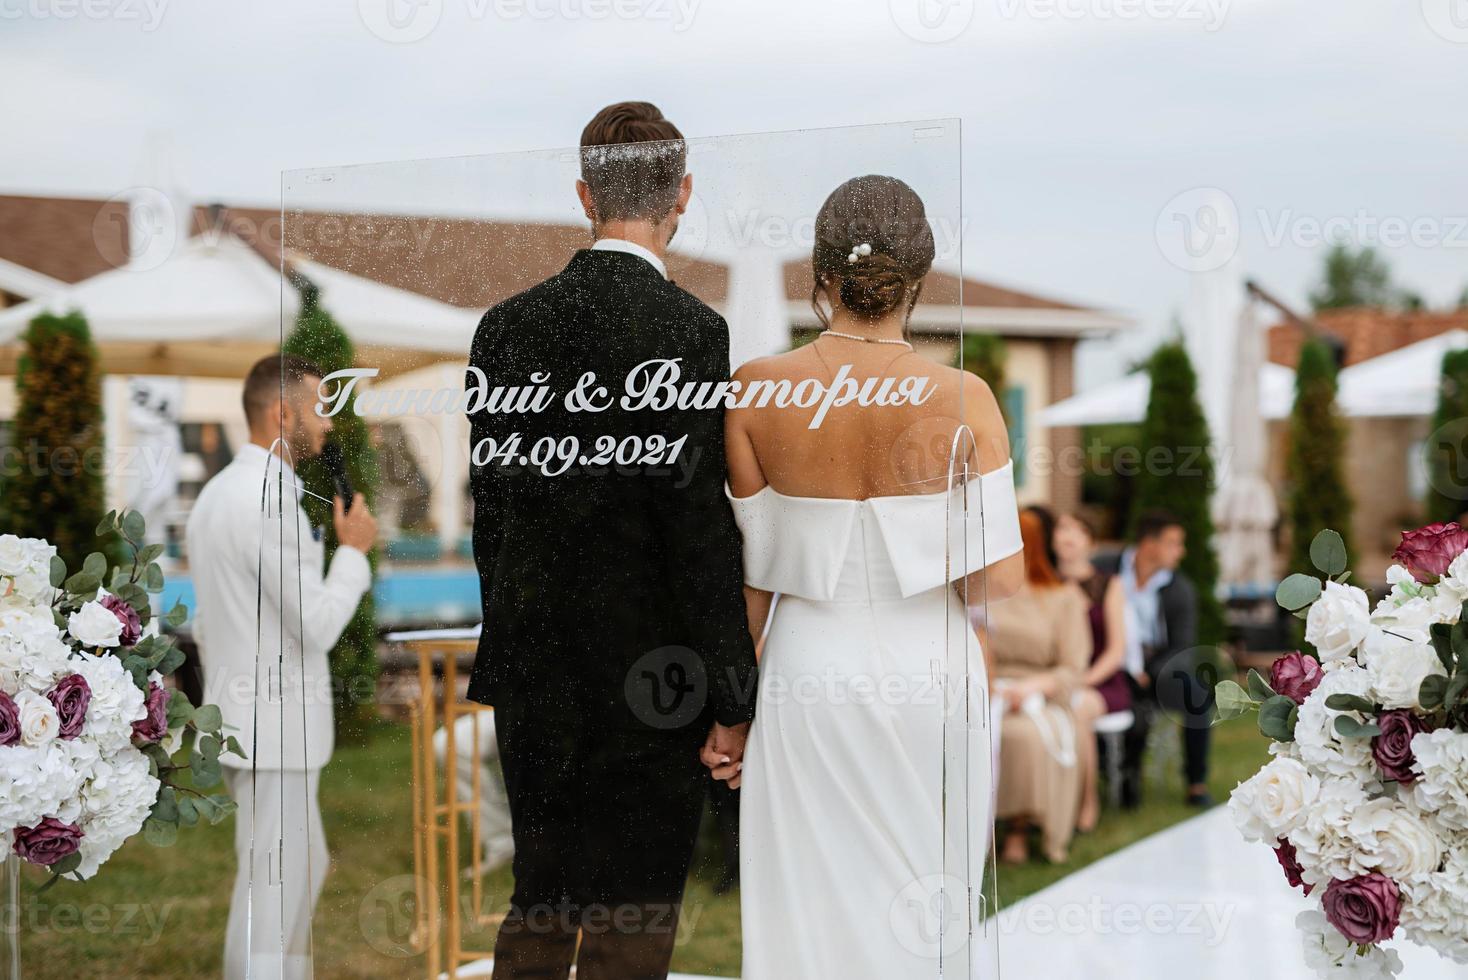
{"type": "Point", "coordinates": [1041, 640]}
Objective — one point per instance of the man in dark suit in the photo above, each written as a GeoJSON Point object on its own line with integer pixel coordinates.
{"type": "Point", "coordinates": [615, 643]}
{"type": "Point", "coordinates": [1161, 655]}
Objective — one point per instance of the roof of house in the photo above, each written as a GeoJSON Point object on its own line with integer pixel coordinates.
{"type": "Point", "coordinates": [1365, 331]}
{"type": "Point", "coordinates": [985, 305]}
{"type": "Point", "coordinates": [71, 239]}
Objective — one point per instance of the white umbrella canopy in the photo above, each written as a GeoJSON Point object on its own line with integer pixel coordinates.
{"type": "Point", "coordinates": [216, 304]}
{"type": "Point", "coordinates": [1125, 400]}
{"type": "Point", "coordinates": [1399, 384]}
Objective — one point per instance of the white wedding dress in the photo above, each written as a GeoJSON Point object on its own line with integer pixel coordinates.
{"type": "Point", "coordinates": [841, 816]}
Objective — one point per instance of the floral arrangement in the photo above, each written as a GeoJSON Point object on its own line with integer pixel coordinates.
{"type": "Point", "coordinates": [89, 734]}
{"type": "Point", "coordinates": [1365, 801]}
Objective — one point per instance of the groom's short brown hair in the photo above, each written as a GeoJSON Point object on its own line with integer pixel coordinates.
{"type": "Point", "coordinates": [632, 160]}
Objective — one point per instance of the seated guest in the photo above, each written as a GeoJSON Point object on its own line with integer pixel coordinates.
{"type": "Point", "coordinates": [1162, 616]}
{"type": "Point", "coordinates": [1041, 643]}
{"type": "Point", "coordinates": [1105, 688]}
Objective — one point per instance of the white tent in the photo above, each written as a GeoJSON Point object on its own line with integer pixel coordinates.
{"type": "Point", "coordinates": [215, 304]}
{"type": "Point", "coordinates": [1125, 400]}
{"type": "Point", "coordinates": [1400, 384]}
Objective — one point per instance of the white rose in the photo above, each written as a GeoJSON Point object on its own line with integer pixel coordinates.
{"type": "Point", "coordinates": [1399, 659]}
{"type": "Point", "coordinates": [39, 722]}
{"type": "Point", "coordinates": [15, 556]}
{"type": "Point", "coordinates": [1394, 839]}
{"type": "Point", "coordinates": [94, 625]}
{"type": "Point", "coordinates": [1274, 800]}
{"type": "Point", "coordinates": [1338, 621]}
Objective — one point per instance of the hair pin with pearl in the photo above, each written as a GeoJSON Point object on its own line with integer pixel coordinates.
{"type": "Point", "coordinates": [859, 252]}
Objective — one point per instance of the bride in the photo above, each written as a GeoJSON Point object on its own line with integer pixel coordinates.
{"type": "Point", "coordinates": [847, 532]}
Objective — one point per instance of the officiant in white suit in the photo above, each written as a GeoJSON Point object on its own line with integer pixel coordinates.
{"type": "Point", "coordinates": [236, 548]}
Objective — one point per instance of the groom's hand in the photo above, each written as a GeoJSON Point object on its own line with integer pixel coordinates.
{"type": "Point", "coordinates": [723, 753]}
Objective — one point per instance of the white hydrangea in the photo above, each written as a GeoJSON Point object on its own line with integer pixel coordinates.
{"type": "Point", "coordinates": [1442, 790]}
{"type": "Point", "coordinates": [1399, 659]}
{"type": "Point", "coordinates": [114, 803]}
{"type": "Point", "coordinates": [25, 569]}
{"type": "Point", "coordinates": [116, 701]}
{"type": "Point", "coordinates": [1332, 955]}
{"type": "Point", "coordinates": [1323, 841]}
{"type": "Point", "coordinates": [1435, 913]}
{"type": "Point", "coordinates": [1320, 747]}
{"type": "Point", "coordinates": [1273, 801]}
{"type": "Point", "coordinates": [34, 783]}
{"type": "Point", "coordinates": [1338, 621]}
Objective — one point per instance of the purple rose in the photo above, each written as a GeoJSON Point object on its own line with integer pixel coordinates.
{"type": "Point", "coordinates": [1393, 747]}
{"type": "Point", "coordinates": [1428, 551]}
{"type": "Point", "coordinates": [48, 841]}
{"type": "Point", "coordinates": [9, 720]}
{"type": "Point", "coordinates": [1364, 909]}
{"type": "Point", "coordinates": [154, 726]}
{"type": "Point", "coordinates": [1284, 853]}
{"type": "Point", "coordinates": [132, 626]}
{"type": "Point", "coordinates": [1295, 675]}
{"type": "Point", "coordinates": [71, 695]}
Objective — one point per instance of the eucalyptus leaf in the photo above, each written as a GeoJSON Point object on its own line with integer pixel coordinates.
{"type": "Point", "coordinates": [210, 746]}
{"type": "Point", "coordinates": [176, 616]}
{"type": "Point", "coordinates": [134, 528]}
{"type": "Point", "coordinates": [1298, 591]}
{"type": "Point", "coordinates": [1328, 552]}
{"type": "Point", "coordinates": [1259, 688]}
{"type": "Point", "coordinates": [1350, 702]}
{"type": "Point", "coordinates": [180, 710]}
{"type": "Point", "coordinates": [1348, 727]}
{"type": "Point", "coordinates": [1442, 642]}
{"type": "Point", "coordinates": [1231, 700]}
{"type": "Point", "coordinates": [232, 744]}
{"type": "Point", "coordinates": [1433, 692]}
{"type": "Point", "coordinates": [58, 571]}
{"type": "Point", "coordinates": [1276, 718]}
{"type": "Point", "coordinates": [207, 717]}
{"type": "Point", "coordinates": [82, 584]}
{"type": "Point", "coordinates": [150, 553]}
{"type": "Point", "coordinates": [172, 659]}
{"type": "Point", "coordinates": [107, 524]}
{"type": "Point", "coordinates": [160, 834]}
{"type": "Point", "coordinates": [95, 565]}
{"type": "Point", "coordinates": [1456, 687]}
{"type": "Point", "coordinates": [165, 808]}
{"type": "Point", "coordinates": [188, 814]}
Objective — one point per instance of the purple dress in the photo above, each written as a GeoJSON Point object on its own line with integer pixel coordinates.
{"type": "Point", "coordinates": [1114, 690]}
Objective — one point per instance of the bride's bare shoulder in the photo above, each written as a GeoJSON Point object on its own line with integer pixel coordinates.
{"type": "Point", "coordinates": [776, 367]}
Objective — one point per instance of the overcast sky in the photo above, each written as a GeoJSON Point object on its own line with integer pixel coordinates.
{"type": "Point", "coordinates": [1086, 123]}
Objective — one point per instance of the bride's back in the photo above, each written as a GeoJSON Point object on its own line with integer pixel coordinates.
{"type": "Point", "coordinates": [861, 451]}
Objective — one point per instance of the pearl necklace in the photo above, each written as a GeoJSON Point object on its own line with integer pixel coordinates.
{"type": "Point", "coordinates": [865, 340]}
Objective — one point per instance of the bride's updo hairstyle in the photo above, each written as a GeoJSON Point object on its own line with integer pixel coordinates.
{"type": "Point", "coordinates": [873, 246]}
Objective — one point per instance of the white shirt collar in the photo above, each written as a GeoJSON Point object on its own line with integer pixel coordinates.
{"type": "Point", "coordinates": [254, 455]}
{"type": "Point", "coordinates": [631, 248]}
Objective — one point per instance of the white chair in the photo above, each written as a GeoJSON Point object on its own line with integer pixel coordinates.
{"type": "Point", "coordinates": [1112, 729]}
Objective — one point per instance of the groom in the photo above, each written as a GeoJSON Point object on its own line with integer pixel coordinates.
{"type": "Point", "coordinates": [615, 644]}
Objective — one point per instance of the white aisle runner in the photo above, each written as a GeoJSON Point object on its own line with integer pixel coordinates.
{"type": "Point", "coordinates": [1193, 901]}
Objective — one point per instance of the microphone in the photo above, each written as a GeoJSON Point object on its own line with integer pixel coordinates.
{"type": "Point", "coordinates": [331, 458]}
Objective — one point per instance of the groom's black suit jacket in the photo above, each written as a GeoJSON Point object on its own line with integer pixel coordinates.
{"type": "Point", "coordinates": [585, 576]}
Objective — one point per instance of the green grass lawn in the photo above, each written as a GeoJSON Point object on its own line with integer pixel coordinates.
{"type": "Point", "coordinates": [159, 914]}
